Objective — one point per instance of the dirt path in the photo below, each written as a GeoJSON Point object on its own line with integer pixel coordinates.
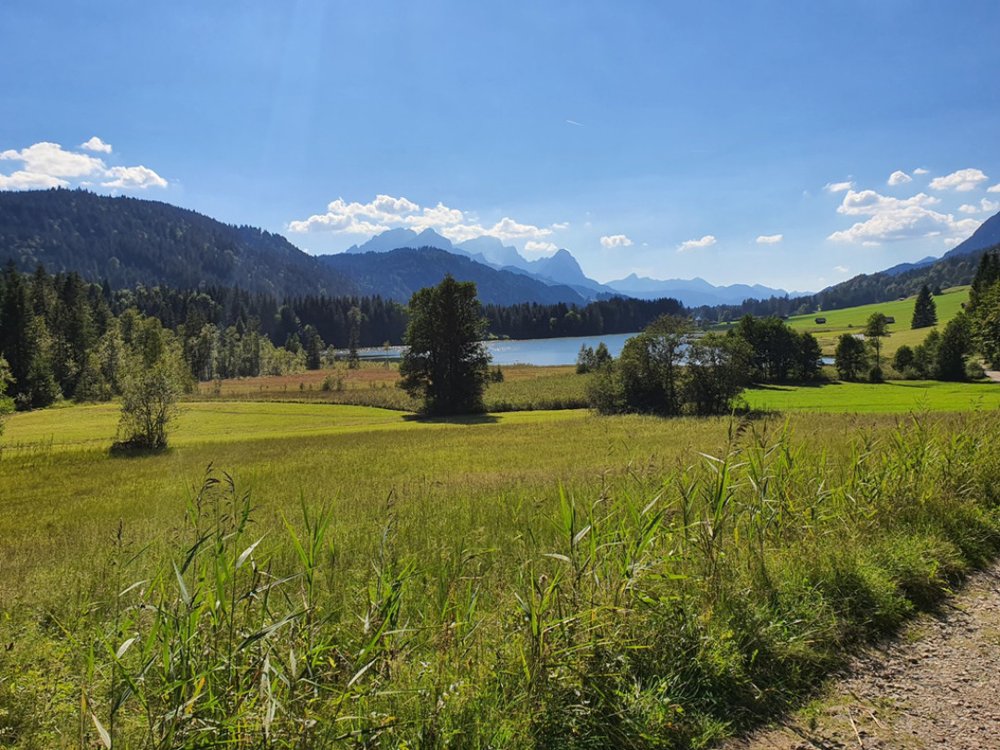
{"type": "Point", "coordinates": [937, 686]}
{"type": "Point", "coordinates": [993, 375]}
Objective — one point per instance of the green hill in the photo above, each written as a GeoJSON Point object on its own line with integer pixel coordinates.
{"type": "Point", "coordinates": [853, 319]}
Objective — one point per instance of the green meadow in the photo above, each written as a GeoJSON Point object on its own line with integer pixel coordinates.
{"type": "Point", "coordinates": [891, 397]}
{"type": "Point", "coordinates": [853, 319]}
{"type": "Point", "coordinates": [312, 574]}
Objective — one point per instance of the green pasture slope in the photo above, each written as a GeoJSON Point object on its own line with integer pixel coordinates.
{"type": "Point", "coordinates": [518, 580]}
{"type": "Point", "coordinates": [853, 319]}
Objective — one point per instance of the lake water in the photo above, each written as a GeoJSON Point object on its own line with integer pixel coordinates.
{"type": "Point", "coordinates": [529, 351]}
{"type": "Point", "coordinates": [532, 351]}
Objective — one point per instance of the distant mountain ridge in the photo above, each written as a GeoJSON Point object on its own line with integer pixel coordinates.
{"type": "Point", "coordinates": [694, 292]}
{"type": "Point", "coordinates": [397, 274]}
{"type": "Point", "coordinates": [559, 269]}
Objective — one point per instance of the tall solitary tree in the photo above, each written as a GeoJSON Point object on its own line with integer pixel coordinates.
{"type": "Point", "coordinates": [446, 363]}
{"type": "Point", "coordinates": [876, 329]}
{"type": "Point", "coordinates": [924, 309]}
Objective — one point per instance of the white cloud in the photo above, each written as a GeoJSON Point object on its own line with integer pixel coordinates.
{"type": "Point", "coordinates": [52, 159]}
{"type": "Point", "coordinates": [539, 248]}
{"type": "Point", "coordinates": [707, 241]}
{"type": "Point", "coordinates": [921, 170]}
{"type": "Point", "coordinates": [138, 178]}
{"type": "Point", "coordinates": [963, 180]}
{"type": "Point", "coordinates": [841, 269]}
{"type": "Point", "coordinates": [994, 189]}
{"type": "Point", "coordinates": [615, 240]}
{"type": "Point", "coordinates": [899, 177]}
{"type": "Point", "coordinates": [985, 206]}
{"type": "Point", "coordinates": [22, 180]}
{"type": "Point", "coordinates": [48, 165]}
{"type": "Point", "coordinates": [770, 239]}
{"type": "Point", "coordinates": [838, 187]}
{"type": "Point", "coordinates": [96, 144]}
{"type": "Point", "coordinates": [386, 212]}
{"type": "Point", "coordinates": [889, 219]}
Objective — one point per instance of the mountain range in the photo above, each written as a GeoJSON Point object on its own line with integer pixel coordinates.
{"type": "Point", "coordinates": [694, 292]}
{"type": "Point", "coordinates": [128, 241]}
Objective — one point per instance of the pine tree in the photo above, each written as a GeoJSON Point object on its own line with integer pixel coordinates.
{"type": "Point", "coordinates": [924, 309]}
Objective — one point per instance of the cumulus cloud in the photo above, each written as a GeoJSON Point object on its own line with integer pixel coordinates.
{"type": "Point", "coordinates": [841, 269]}
{"type": "Point", "coordinates": [22, 180]}
{"type": "Point", "coordinates": [962, 181]}
{"type": "Point", "coordinates": [615, 240]}
{"type": "Point", "coordinates": [985, 206]}
{"type": "Point", "coordinates": [96, 144]}
{"type": "Point", "coordinates": [138, 178]}
{"type": "Point", "coordinates": [888, 219]}
{"type": "Point", "coordinates": [899, 177]}
{"type": "Point", "coordinates": [838, 187]}
{"type": "Point", "coordinates": [994, 189]}
{"type": "Point", "coordinates": [46, 165]}
{"type": "Point", "coordinates": [921, 170]}
{"type": "Point", "coordinates": [770, 239]}
{"type": "Point", "coordinates": [707, 241]}
{"type": "Point", "coordinates": [539, 248]}
{"type": "Point", "coordinates": [386, 212]}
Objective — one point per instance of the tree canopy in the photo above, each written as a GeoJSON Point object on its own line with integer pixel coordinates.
{"type": "Point", "coordinates": [446, 363]}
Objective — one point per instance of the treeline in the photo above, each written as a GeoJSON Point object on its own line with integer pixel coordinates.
{"type": "Point", "coordinates": [65, 337]}
{"type": "Point", "coordinates": [616, 315]}
{"type": "Point", "coordinates": [668, 370]}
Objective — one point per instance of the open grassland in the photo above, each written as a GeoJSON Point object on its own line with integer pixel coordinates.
{"type": "Point", "coordinates": [537, 580]}
{"type": "Point", "coordinates": [891, 397]}
{"type": "Point", "coordinates": [853, 319]}
{"type": "Point", "coordinates": [548, 388]}
{"type": "Point", "coordinates": [524, 387]}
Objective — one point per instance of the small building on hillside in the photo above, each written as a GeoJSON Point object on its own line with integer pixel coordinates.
{"type": "Point", "coordinates": [820, 320]}
{"type": "Point", "coordinates": [889, 319]}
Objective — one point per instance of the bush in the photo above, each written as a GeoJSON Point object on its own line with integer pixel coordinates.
{"type": "Point", "coordinates": [149, 404]}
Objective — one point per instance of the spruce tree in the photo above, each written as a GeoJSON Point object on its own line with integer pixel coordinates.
{"type": "Point", "coordinates": [924, 309]}
{"type": "Point", "coordinates": [446, 363]}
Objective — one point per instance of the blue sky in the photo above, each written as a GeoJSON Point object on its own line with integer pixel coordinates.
{"type": "Point", "coordinates": [741, 142]}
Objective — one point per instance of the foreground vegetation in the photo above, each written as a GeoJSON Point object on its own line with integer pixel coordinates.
{"type": "Point", "coordinates": [525, 580]}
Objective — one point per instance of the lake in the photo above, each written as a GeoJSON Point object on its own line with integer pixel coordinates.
{"type": "Point", "coordinates": [562, 351]}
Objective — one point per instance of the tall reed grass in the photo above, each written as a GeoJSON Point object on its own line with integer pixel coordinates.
{"type": "Point", "coordinates": [668, 609]}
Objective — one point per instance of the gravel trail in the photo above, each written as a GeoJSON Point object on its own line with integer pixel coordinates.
{"type": "Point", "coordinates": [936, 686]}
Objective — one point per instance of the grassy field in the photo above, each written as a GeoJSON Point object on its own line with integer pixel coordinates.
{"type": "Point", "coordinates": [891, 397]}
{"type": "Point", "coordinates": [536, 579]}
{"type": "Point", "coordinates": [525, 387]}
{"type": "Point", "coordinates": [853, 319]}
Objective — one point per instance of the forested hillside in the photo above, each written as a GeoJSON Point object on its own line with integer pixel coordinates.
{"type": "Point", "coordinates": [128, 241]}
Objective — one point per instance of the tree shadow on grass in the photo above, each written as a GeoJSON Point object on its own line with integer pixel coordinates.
{"type": "Point", "coordinates": [793, 384]}
{"type": "Point", "coordinates": [131, 450]}
{"type": "Point", "coordinates": [453, 419]}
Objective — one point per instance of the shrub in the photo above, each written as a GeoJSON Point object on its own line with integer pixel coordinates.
{"type": "Point", "coordinates": [149, 404]}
